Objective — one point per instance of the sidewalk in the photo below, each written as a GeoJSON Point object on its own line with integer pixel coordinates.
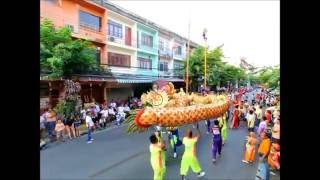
{"type": "Point", "coordinates": [83, 131]}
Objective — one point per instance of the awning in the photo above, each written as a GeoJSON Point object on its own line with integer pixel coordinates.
{"type": "Point", "coordinates": [151, 80]}
{"type": "Point", "coordinates": [129, 81]}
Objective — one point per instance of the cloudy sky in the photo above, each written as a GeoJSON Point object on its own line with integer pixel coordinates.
{"type": "Point", "coordinates": [249, 29]}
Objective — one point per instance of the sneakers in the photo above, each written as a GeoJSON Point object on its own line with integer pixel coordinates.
{"type": "Point", "coordinates": [245, 161]}
{"type": "Point", "coordinates": [214, 160]}
{"type": "Point", "coordinates": [174, 155]}
{"type": "Point", "coordinates": [91, 139]}
{"type": "Point", "coordinates": [89, 142]}
{"type": "Point", "coordinates": [207, 132]}
{"type": "Point", "coordinates": [272, 173]}
{"type": "Point", "coordinates": [201, 174]}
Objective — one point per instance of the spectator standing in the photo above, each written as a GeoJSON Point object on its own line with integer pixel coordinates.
{"type": "Point", "coordinates": [42, 127]}
{"type": "Point", "coordinates": [68, 122]}
{"type": "Point", "coordinates": [51, 121]}
{"type": "Point", "coordinates": [77, 124]}
{"type": "Point", "coordinates": [90, 125]}
{"type": "Point", "coordinates": [104, 116]}
{"type": "Point", "coordinates": [59, 128]}
{"type": "Point", "coordinates": [111, 114]}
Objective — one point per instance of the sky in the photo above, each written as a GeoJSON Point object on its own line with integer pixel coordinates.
{"type": "Point", "coordinates": [249, 29]}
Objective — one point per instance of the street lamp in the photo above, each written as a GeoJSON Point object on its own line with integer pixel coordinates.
{"type": "Point", "coordinates": [205, 56]}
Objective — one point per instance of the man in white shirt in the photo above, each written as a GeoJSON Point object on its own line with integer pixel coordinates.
{"type": "Point", "coordinates": [90, 126]}
{"type": "Point", "coordinates": [126, 108]}
{"type": "Point", "coordinates": [121, 113]}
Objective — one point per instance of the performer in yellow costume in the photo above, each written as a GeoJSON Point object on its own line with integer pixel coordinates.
{"type": "Point", "coordinates": [189, 158]}
{"type": "Point", "coordinates": [157, 158]}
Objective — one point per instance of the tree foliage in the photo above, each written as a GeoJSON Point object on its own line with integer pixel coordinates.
{"type": "Point", "coordinates": [270, 77]}
{"type": "Point", "coordinates": [60, 55]}
{"type": "Point", "coordinates": [71, 103]}
{"type": "Point", "coordinates": [218, 72]}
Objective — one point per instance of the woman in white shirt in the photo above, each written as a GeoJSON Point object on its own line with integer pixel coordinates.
{"type": "Point", "coordinates": [111, 115]}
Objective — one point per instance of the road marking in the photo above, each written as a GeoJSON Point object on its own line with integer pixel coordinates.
{"type": "Point", "coordinates": [117, 164]}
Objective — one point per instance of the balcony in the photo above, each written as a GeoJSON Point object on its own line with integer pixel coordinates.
{"type": "Point", "coordinates": [121, 42]}
{"type": "Point", "coordinates": [89, 33]}
{"type": "Point", "coordinates": [148, 49]}
{"type": "Point", "coordinates": [171, 73]}
{"type": "Point", "coordinates": [179, 56]}
{"type": "Point", "coordinates": [165, 53]}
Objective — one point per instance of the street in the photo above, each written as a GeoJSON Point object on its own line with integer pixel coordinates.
{"type": "Point", "coordinates": [117, 155]}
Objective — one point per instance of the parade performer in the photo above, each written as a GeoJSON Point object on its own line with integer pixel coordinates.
{"type": "Point", "coordinates": [265, 145]}
{"type": "Point", "coordinates": [208, 124]}
{"type": "Point", "coordinates": [274, 156]}
{"type": "Point", "coordinates": [173, 135]}
{"type": "Point", "coordinates": [251, 121]}
{"type": "Point", "coordinates": [250, 148]}
{"type": "Point", "coordinates": [223, 125]}
{"type": "Point", "coordinates": [262, 126]}
{"type": "Point", "coordinates": [216, 140]}
{"type": "Point", "coordinates": [161, 141]}
{"type": "Point", "coordinates": [189, 157]}
{"type": "Point", "coordinates": [157, 161]}
{"type": "Point", "coordinates": [235, 118]}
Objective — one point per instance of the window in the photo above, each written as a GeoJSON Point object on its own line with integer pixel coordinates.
{"type": "Point", "coordinates": [115, 59]}
{"type": "Point", "coordinates": [163, 66]}
{"type": "Point", "coordinates": [90, 21]}
{"type": "Point", "coordinates": [98, 54]}
{"type": "Point", "coordinates": [178, 67]}
{"type": "Point", "coordinates": [179, 50]}
{"type": "Point", "coordinates": [52, 1]}
{"type": "Point", "coordinates": [114, 29]}
{"type": "Point", "coordinates": [146, 40]}
{"type": "Point", "coordinates": [161, 45]}
{"type": "Point", "coordinates": [145, 63]}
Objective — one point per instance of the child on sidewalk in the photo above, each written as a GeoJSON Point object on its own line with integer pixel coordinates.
{"type": "Point", "coordinates": [77, 124]}
{"type": "Point", "coordinates": [59, 130]}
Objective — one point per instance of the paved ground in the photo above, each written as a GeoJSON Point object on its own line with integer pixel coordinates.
{"type": "Point", "coordinates": [117, 155]}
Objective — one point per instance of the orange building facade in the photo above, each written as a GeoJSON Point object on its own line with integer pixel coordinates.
{"type": "Point", "coordinates": [86, 20]}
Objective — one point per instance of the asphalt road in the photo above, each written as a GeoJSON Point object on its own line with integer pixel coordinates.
{"type": "Point", "coordinates": [116, 155]}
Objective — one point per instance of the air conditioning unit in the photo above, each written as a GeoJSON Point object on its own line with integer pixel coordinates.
{"type": "Point", "coordinates": [111, 39]}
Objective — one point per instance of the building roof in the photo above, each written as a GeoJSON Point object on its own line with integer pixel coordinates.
{"type": "Point", "coordinates": [112, 7]}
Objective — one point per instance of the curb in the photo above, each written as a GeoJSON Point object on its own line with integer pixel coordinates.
{"type": "Point", "coordinates": [82, 134]}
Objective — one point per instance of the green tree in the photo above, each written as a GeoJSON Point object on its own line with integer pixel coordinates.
{"type": "Point", "coordinates": [269, 77]}
{"type": "Point", "coordinates": [61, 55]}
{"type": "Point", "coordinates": [218, 72]}
{"type": "Point", "coordinates": [71, 103]}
